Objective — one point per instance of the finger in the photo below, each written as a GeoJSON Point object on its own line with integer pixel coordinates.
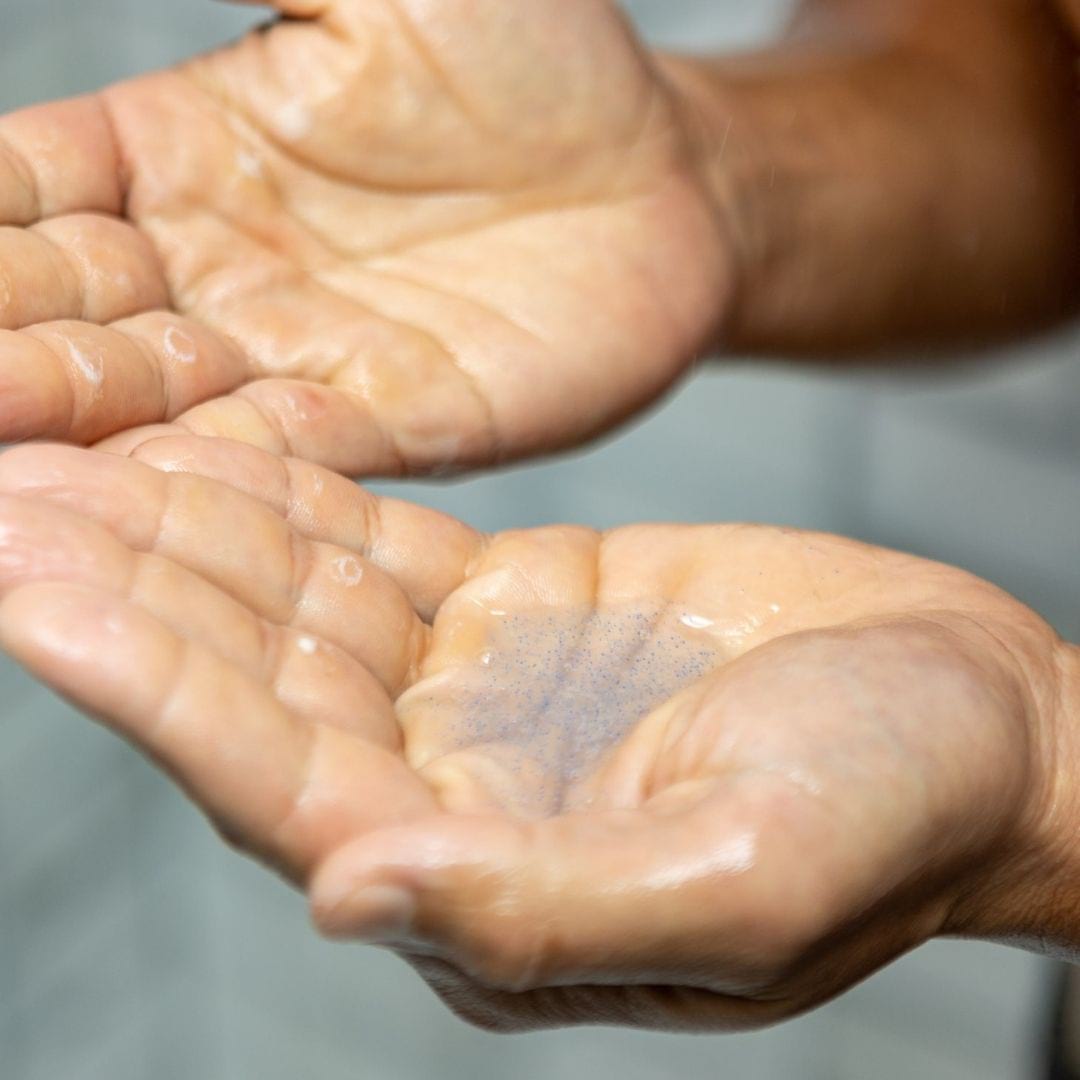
{"type": "Point", "coordinates": [317, 682]}
{"type": "Point", "coordinates": [125, 443]}
{"type": "Point", "coordinates": [59, 158]}
{"type": "Point", "coordinates": [237, 543]}
{"type": "Point", "coordinates": [79, 382]}
{"type": "Point", "coordinates": [351, 389]}
{"type": "Point", "coordinates": [679, 894]}
{"type": "Point", "coordinates": [414, 403]}
{"type": "Point", "coordinates": [80, 266]}
{"type": "Point", "coordinates": [550, 569]}
{"type": "Point", "coordinates": [332, 427]}
{"type": "Point", "coordinates": [427, 553]}
{"type": "Point", "coordinates": [300, 419]}
{"type": "Point", "coordinates": [556, 567]}
{"type": "Point", "coordinates": [283, 789]}
{"type": "Point", "coordinates": [514, 636]}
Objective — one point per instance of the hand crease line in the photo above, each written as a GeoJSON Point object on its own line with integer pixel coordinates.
{"type": "Point", "coordinates": [70, 378]}
{"type": "Point", "coordinates": [302, 564]}
{"type": "Point", "coordinates": [71, 280]}
{"type": "Point", "coordinates": [305, 782]}
{"type": "Point", "coordinates": [423, 50]}
{"type": "Point", "coordinates": [239, 116]}
{"type": "Point", "coordinates": [26, 175]}
{"type": "Point", "coordinates": [123, 165]}
{"type": "Point", "coordinates": [163, 713]}
{"type": "Point", "coordinates": [157, 370]}
{"type": "Point", "coordinates": [495, 438]}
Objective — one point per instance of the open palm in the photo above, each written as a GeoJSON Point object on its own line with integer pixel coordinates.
{"type": "Point", "coordinates": [382, 235]}
{"type": "Point", "coordinates": [668, 776]}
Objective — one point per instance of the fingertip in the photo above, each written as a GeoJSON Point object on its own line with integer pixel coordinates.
{"type": "Point", "coordinates": [238, 464]}
{"type": "Point", "coordinates": [350, 890]}
{"type": "Point", "coordinates": [362, 889]}
{"type": "Point", "coordinates": [128, 443]}
{"type": "Point", "coordinates": [377, 914]}
{"type": "Point", "coordinates": [336, 890]}
{"type": "Point", "coordinates": [166, 451]}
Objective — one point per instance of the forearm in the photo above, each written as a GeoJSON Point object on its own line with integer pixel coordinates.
{"type": "Point", "coordinates": [894, 173]}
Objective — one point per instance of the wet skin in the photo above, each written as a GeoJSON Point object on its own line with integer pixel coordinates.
{"type": "Point", "coordinates": [418, 235]}
{"type": "Point", "coordinates": [868, 752]}
{"type": "Point", "coordinates": [358, 239]}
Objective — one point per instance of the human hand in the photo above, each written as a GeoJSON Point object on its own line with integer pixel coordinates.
{"type": "Point", "coordinates": [383, 236]}
{"type": "Point", "coordinates": [674, 777]}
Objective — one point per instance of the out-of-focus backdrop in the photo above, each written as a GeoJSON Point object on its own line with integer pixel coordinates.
{"type": "Point", "coordinates": [134, 946]}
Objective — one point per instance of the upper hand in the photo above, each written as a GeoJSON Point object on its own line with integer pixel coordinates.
{"type": "Point", "coordinates": [666, 776]}
{"type": "Point", "coordinates": [383, 235]}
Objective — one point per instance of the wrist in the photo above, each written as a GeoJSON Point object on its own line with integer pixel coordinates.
{"type": "Point", "coordinates": [1057, 921]}
{"type": "Point", "coordinates": [914, 181]}
{"type": "Point", "coordinates": [706, 117]}
{"type": "Point", "coordinates": [1030, 895]}
{"type": "Point", "coordinates": [819, 186]}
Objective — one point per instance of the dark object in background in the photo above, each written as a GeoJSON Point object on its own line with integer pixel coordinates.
{"type": "Point", "coordinates": [1064, 1045]}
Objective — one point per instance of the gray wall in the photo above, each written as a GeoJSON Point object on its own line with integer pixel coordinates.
{"type": "Point", "coordinates": [133, 946]}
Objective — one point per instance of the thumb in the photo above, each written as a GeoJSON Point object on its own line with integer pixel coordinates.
{"type": "Point", "coordinates": [643, 896]}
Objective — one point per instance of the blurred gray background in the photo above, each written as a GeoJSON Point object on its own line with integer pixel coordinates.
{"type": "Point", "coordinates": [133, 946]}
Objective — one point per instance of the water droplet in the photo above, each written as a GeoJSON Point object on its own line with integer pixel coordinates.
{"type": "Point", "coordinates": [250, 164]}
{"type": "Point", "coordinates": [696, 622]}
{"type": "Point", "coordinates": [347, 570]}
{"type": "Point", "coordinates": [293, 121]}
{"type": "Point", "coordinates": [88, 360]}
{"type": "Point", "coordinates": [179, 346]}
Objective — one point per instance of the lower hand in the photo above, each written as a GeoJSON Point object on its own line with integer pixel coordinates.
{"type": "Point", "coordinates": [671, 777]}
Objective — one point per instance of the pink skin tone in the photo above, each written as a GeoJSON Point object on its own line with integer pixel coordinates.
{"type": "Point", "coordinates": [369, 241]}
{"type": "Point", "coordinates": [302, 241]}
{"type": "Point", "coordinates": [876, 758]}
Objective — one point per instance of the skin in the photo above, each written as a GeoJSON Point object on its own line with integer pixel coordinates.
{"type": "Point", "coordinates": [897, 173]}
{"type": "Point", "coordinates": [411, 261]}
{"type": "Point", "coordinates": [877, 758]}
{"type": "Point", "coordinates": [367, 239]}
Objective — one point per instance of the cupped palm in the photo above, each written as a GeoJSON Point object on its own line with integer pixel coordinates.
{"type": "Point", "coordinates": [382, 235]}
{"type": "Point", "coordinates": [666, 776]}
